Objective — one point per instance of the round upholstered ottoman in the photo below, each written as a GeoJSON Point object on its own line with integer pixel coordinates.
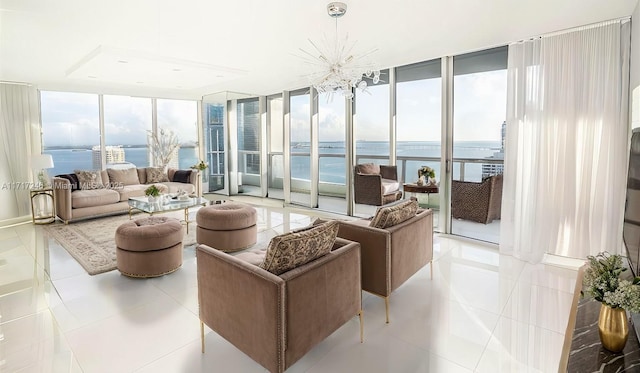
{"type": "Point", "coordinates": [227, 227]}
{"type": "Point", "coordinates": [149, 247]}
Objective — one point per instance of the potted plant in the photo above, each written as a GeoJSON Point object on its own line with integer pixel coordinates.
{"type": "Point", "coordinates": [426, 172]}
{"type": "Point", "coordinates": [152, 193]}
{"type": "Point", "coordinates": [602, 282]}
{"type": "Point", "coordinates": [200, 166]}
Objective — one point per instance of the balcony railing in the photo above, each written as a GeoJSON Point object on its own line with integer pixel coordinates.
{"type": "Point", "coordinates": [407, 170]}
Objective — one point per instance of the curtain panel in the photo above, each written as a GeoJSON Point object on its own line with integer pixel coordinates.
{"type": "Point", "coordinates": [20, 138]}
{"type": "Point", "coordinates": [567, 142]}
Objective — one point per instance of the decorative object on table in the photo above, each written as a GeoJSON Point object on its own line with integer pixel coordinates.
{"type": "Point", "coordinates": [201, 166]}
{"type": "Point", "coordinates": [337, 69]}
{"type": "Point", "coordinates": [164, 146]}
{"type": "Point", "coordinates": [602, 282]}
{"type": "Point", "coordinates": [40, 163]}
{"type": "Point", "coordinates": [427, 175]}
{"type": "Point", "coordinates": [420, 181]}
{"type": "Point", "coordinates": [152, 192]}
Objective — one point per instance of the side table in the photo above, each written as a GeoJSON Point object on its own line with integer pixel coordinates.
{"type": "Point", "coordinates": [415, 188]}
{"type": "Point", "coordinates": [43, 207]}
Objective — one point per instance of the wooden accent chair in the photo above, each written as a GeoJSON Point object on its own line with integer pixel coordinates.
{"type": "Point", "coordinates": [376, 184]}
{"type": "Point", "coordinates": [479, 202]}
{"type": "Point", "coordinates": [392, 254]}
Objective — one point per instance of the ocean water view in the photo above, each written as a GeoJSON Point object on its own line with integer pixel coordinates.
{"type": "Point", "coordinates": [332, 166]}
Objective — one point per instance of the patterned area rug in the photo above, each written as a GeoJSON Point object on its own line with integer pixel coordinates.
{"type": "Point", "coordinates": [92, 244]}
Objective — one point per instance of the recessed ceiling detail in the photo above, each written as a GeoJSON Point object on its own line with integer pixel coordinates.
{"type": "Point", "coordinates": [132, 67]}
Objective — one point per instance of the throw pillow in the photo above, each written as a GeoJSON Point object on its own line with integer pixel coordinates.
{"type": "Point", "coordinates": [73, 179]}
{"type": "Point", "coordinates": [128, 176]}
{"type": "Point", "coordinates": [182, 176]}
{"type": "Point", "coordinates": [89, 179]}
{"type": "Point", "coordinates": [389, 216]}
{"type": "Point", "coordinates": [288, 251]}
{"type": "Point", "coordinates": [156, 175]}
{"type": "Point", "coordinates": [368, 169]}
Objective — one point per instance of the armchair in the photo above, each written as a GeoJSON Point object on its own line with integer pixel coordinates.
{"type": "Point", "coordinates": [277, 319]}
{"type": "Point", "coordinates": [479, 202]}
{"type": "Point", "coordinates": [391, 255]}
{"type": "Point", "coordinates": [376, 185]}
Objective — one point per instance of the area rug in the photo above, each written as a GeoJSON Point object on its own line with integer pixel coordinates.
{"type": "Point", "coordinates": [92, 244]}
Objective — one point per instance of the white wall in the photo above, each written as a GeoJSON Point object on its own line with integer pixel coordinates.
{"type": "Point", "coordinates": [634, 81]}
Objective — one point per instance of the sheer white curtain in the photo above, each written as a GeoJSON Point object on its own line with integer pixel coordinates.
{"type": "Point", "coordinates": [566, 143]}
{"type": "Point", "coordinates": [20, 138]}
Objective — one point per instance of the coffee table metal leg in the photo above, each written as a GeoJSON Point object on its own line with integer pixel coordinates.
{"type": "Point", "coordinates": [186, 218]}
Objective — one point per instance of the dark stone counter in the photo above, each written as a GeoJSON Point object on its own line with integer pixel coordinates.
{"type": "Point", "coordinates": [587, 354]}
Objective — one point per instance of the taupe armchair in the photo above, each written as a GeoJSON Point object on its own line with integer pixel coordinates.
{"type": "Point", "coordinates": [390, 256]}
{"type": "Point", "coordinates": [376, 184]}
{"type": "Point", "coordinates": [479, 202]}
{"type": "Point", "coordinates": [273, 319]}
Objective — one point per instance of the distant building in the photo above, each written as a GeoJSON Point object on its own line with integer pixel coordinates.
{"type": "Point", "coordinates": [113, 154]}
{"type": "Point", "coordinates": [489, 169]}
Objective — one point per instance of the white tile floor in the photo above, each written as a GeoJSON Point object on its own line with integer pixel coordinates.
{"type": "Point", "coordinates": [481, 312]}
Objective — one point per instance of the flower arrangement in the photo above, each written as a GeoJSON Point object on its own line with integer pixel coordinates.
{"type": "Point", "coordinates": [152, 191]}
{"type": "Point", "coordinates": [427, 172]}
{"type": "Point", "coordinates": [200, 166]}
{"type": "Point", "coordinates": [602, 282]}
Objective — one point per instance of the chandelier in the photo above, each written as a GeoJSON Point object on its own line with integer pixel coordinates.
{"type": "Point", "coordinates": [339, 70]}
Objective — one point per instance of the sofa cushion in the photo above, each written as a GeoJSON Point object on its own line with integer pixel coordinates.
{"type": "Point", "coordinates": [156, 175]}
{"type": "Point", "coordinates": [388, 216]}
{"type": "Point", "coordinates": [368, 169]}
{"type": "Point", "coordinates": [94, 197]}
{"type": "Point", "coordinates": [73, 179]}
{"type": "Point", "coordinates": [182, 176]}
{"type": "Point", "coordinates": [390, 186]}
{"type": "Point", "coordinates": [173, 187]}
{"type": "Point", "coordinates": [88, 180]}
{"type": "Point", "coordinates": [127, 176]}
{"type": "Point", "coordinates": [128, 191]}
{"type": "Point", "coordinates": [288, 251]}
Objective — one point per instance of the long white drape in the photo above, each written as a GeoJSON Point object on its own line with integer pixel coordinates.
{"type": "Point", "coordinates": [566, 143]}
{"type": "Point", "coordinates": [20, 138]}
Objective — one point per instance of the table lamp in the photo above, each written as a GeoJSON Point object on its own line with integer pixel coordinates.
{"type": "Point", "coordinates": [40, 163]}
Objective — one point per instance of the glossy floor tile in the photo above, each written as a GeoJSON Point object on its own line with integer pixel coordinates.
{"type": "Point", "coordinates": [475, 310]}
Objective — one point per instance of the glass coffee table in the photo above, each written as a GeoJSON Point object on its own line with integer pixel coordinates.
{"type": "Point", "coordinates": [166, 205]}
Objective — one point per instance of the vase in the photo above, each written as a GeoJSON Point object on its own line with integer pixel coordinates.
{"type": "Point", "coordinates": [151, 199]}
{"type": "Point", "coordinates": [613, 328]}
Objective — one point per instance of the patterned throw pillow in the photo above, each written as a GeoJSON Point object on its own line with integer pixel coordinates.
{"type": "Point", "coordinates": [89, 179]}
{"type": "Point", "coordinates": [156, 175]}
{"type": "Point", "coordinates": [391, 215]}
{"type": "Point", "coordinates": [291, 250]}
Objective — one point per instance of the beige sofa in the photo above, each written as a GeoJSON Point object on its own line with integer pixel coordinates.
{"type": "Point", "coordinates": [112, 198]}
{"type": "Point", "coordinates": [277, 317]}
{"type": "Point", "coordinates": [396, 243]}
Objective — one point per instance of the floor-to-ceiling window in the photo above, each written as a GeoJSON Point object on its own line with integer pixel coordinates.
{"type": "Point", "coordinates": [480, 96]}
{"type": "Point", "coordinates": [371, 127]}
{"type": "Point", "coordinates": [275, 172]}
{"type": "Point", "coordinates": [70, 129]}
{"type": "Point", "coordinates": [419, 124]}
{"type": "Point", "coordinates": [181, 117]}
{"type": "Point", "coordinates": [331, 149]}
{"type": "Point", "coordinates": [249, 146]}
{"type": "Point", "coordinates": [214, 127]}
{"type": "Point", "coordinates": [300, 137]}
{"type": "Point", "coordinates": [127, 126]}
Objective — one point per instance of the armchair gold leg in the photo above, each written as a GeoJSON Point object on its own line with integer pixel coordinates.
{"type": "Point", "coordinates": [361, 327]}
{"type": "Point", "coordinates": [202, 335]}
{"type": "Point", "coordinates": [386, 305]}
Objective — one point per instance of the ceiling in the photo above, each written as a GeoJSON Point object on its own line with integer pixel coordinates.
{"type": "Point", "coordinates": [191, 48]}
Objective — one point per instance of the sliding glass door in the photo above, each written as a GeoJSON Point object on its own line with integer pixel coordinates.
{"type": "Point", "coordinates": [480, 96]}
{"type": "Point", "coordinates": [300, 139]}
